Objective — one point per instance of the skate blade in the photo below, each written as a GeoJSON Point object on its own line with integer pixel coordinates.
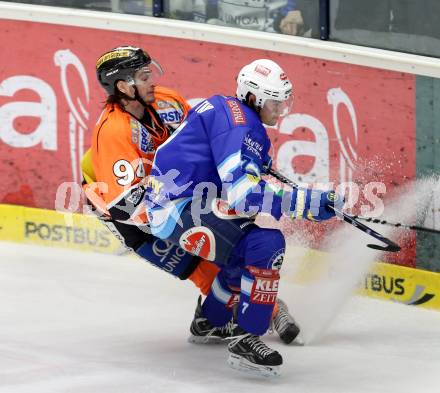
{"type": "Point", "coordinates": [241, 364]}
{"type": "Point", "coordinates": [203, 340]}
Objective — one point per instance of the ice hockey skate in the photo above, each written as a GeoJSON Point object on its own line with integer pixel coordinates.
{"type": "Point", "coordinates": [249, 354]}
{"type": "Point", "coordinates": [202, 332]}
{"type": "Point", "coordinates": [285, 325]}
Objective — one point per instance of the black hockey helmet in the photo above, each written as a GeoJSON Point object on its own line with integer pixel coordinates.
{"type": "Point", "coordinates": [121, 63]}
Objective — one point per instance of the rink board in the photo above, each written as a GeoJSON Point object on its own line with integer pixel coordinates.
{"type": "Point", "coordinates": [76, 231]}
{"type": "Point", "coordinates": [334, 133]}
{"type": "Point", "coordinates": [386, 281]}
{"type": "Point", "coordinates": [53, 229]}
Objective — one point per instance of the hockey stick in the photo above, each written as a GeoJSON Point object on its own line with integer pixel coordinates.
{"type": "Point", "coordinates": [370, 219]}
{"type": "Point", "coordinates": [398, 224]}
{"type": "Point", "coordinates": [390, 245]}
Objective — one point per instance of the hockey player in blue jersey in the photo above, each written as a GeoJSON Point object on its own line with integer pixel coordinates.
{"type": "Point", "coordinates": [205, 190]}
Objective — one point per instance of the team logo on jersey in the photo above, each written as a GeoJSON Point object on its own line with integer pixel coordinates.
{"type": "Point", "coordinates": [199, 241]}
{"type": "Point", "coordinates": [237, 114]}
{"type": "Point", "coordinates": [262, 70]}
{"type": "Point", "coordinates": [277, 259]}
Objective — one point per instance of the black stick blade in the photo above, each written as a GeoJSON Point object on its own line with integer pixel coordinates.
{"type": "Point", "coordinates": [388, 248]}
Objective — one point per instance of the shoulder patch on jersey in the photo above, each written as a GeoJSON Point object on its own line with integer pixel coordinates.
{"type": "Point", "coordinates": [237, 113]}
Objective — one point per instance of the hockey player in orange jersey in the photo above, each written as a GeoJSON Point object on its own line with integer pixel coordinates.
{"type": "Point", "coordinates": [123, 144]}
{"type": "Point", "coordinates": [138, 117]}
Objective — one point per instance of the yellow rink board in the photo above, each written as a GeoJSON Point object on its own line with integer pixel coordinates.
{"type": "Point", "coordinates": [384, 281]}
{"type": "Point", "coordinates": [50, 228]}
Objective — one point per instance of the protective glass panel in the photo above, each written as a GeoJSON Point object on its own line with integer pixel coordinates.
{"type": "Point", "coordinates": [292, 17]}
{"type": "Point", "coordinates": [403, 25]}
{"type": "Point", "coordinates": [137, 7]}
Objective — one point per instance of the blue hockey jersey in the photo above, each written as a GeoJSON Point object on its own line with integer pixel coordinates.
{"type": "Point", "coordinates": [221, 146]}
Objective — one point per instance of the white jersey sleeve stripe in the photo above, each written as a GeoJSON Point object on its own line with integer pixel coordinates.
{"type": "Point", "coordinates": [220, 293]}
{"type": "Point", "coordinates": [228, 165]}
{"type": "Point", "coordinates": [246, 285]}
{"type": "Point", "coordinates": [241, 189]}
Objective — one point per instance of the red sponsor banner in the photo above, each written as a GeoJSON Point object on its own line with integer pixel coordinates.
{"type": "Point", "coordinates": [348, 123]}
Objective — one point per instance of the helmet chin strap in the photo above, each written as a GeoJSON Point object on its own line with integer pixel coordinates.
{"type": "Point", "coordinates": [136, 97]}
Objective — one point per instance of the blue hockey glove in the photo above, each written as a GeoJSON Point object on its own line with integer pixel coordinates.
{"type": "Point", "coordinates": [315, 205]}
{"type": "Point", "coordinates": [321, 205]}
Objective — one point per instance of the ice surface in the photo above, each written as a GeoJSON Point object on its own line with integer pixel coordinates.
{"type": "Point", "coordinates": [90, 323]}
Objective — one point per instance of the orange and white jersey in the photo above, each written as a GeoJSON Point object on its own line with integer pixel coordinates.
{"type": "Point", "coordinates": [123, 149]}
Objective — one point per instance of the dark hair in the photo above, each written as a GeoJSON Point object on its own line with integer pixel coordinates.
{"type": "Point", "coordinates": [251, 103]}
{"type": "Point", "coordinates": [113, 99]}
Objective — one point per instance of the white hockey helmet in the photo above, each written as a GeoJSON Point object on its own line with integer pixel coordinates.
{"type": "Point", "coordinates": [266, 80]}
